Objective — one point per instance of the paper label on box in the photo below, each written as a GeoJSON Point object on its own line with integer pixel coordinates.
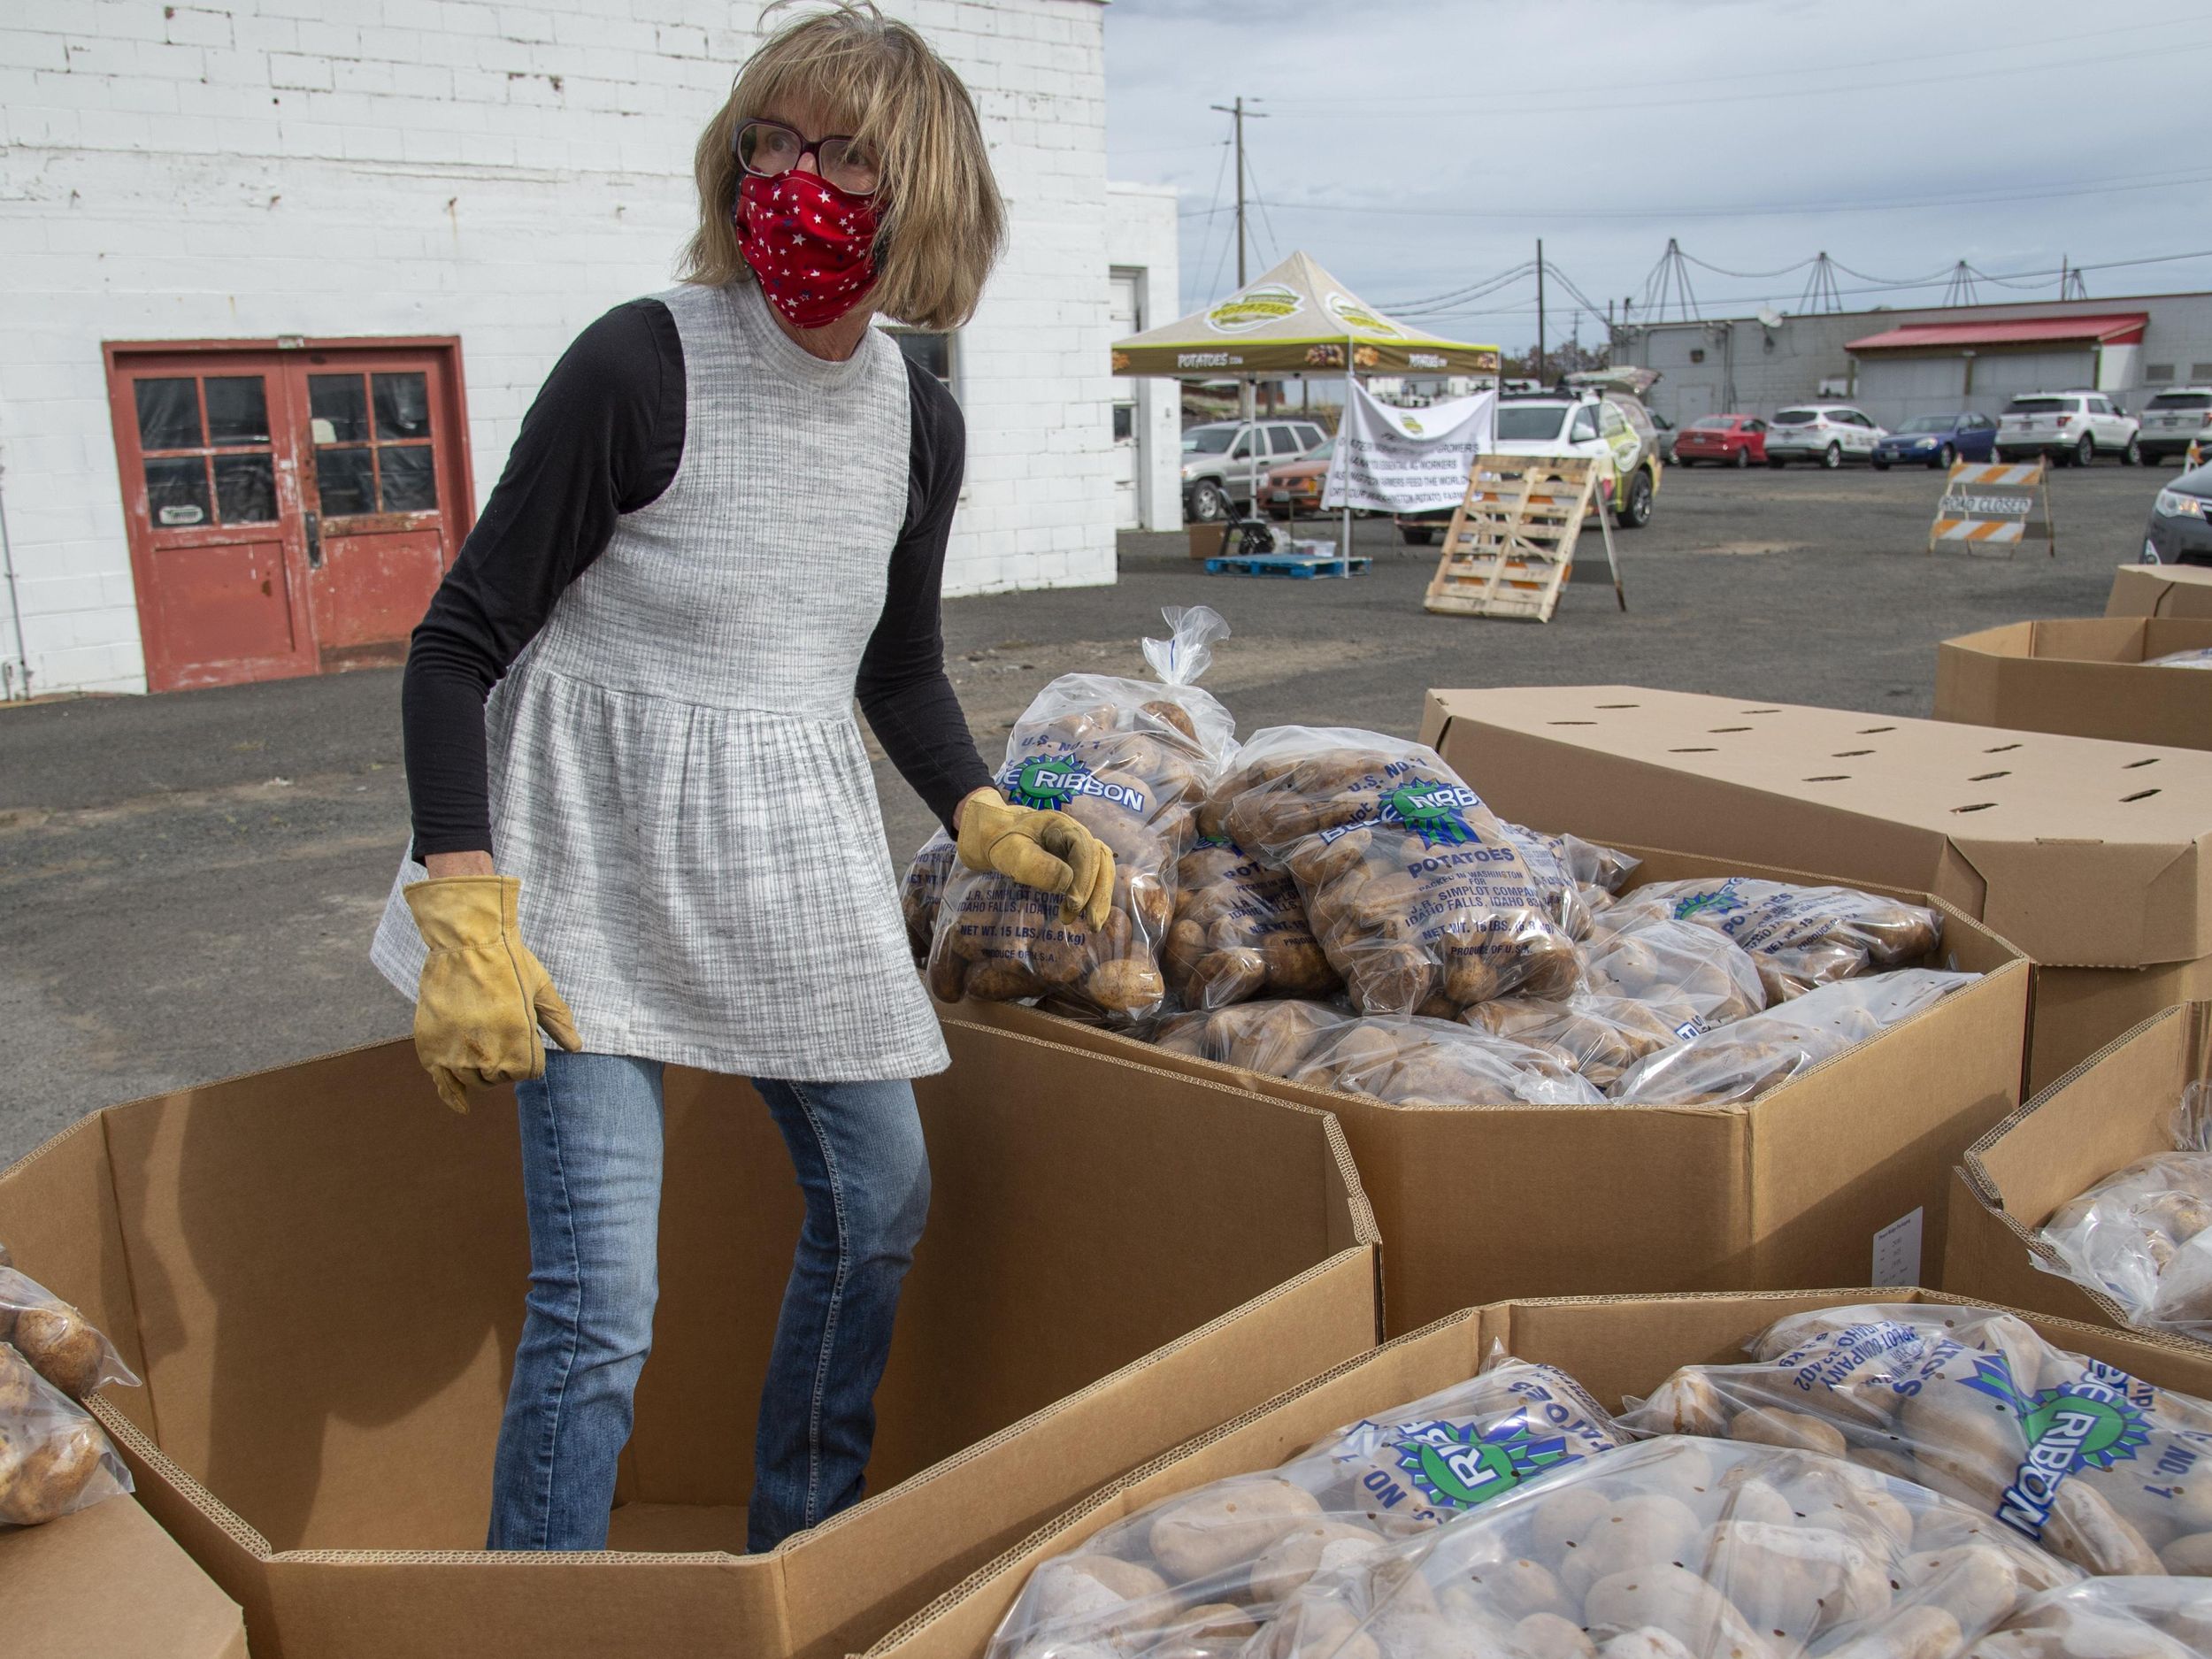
{"type": "Point", "coordinates": [1897, 1252]}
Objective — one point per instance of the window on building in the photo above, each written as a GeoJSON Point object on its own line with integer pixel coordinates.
{"type": "Point", "coordinates": [2158, 374]}
{"type": "Point", "coordinates": [2200, 371]}
{"type": "Point", "coordinates": [1125, 422]}
{"type": "Point", "coordinates": [931, 352]}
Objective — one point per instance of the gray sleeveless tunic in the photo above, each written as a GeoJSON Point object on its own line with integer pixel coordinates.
{"type": "Point", "coordinates": [676, 772]}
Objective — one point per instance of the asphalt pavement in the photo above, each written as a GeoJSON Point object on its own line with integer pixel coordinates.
{"type": "Point", "coordinates": [188, 883]}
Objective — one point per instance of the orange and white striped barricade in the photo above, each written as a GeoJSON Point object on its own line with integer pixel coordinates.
{"type": "Point", "coordinates": [1995, 505]}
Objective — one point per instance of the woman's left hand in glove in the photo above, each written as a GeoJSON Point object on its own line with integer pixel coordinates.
{"type": "Point", "coordinates": [1040, 849]}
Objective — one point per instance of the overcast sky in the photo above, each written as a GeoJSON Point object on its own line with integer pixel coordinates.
{"type": "Point", "coordinates": [1417, 147]}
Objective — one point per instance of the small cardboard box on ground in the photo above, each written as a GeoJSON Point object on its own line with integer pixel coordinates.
{"type": "Point", "coordinates": [2080, 676]}
{"type": "Point", "coordinates": [2093, 857]}
{"type": "Point", "coordinates": [2116, 1108]}
{"type": "Point", "coordinates": [106, 1583]}
{"type": "Point", "coordinates": [1613, 1346]}
{"type": "Point", "coordinates": [1839, 1174]}
{"type": "Point", "coordinates": [2161, 590]}
{"type": "Point", "coordinates": [319, 1272]}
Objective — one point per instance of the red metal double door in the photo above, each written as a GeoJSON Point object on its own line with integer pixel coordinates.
{"type": "Point", "coordinates": [290, 512]}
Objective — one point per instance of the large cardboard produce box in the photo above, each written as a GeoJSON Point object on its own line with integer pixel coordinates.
{"type": "Point", "coordinates": [2083, 676]}
{"type": "Point", "coordinates": [106, 1583]}
{"type": "Point", "coordinates": [319, 1272]}
{"type": "Point", "coordinates": [2093, 857]}
{"type": "Point", "coordinates": [1614, 1346]}
{"type": "Point", "coordinates": [2114, 1108]}
{"type": "Point", "coordinates": [1839, 1175]}
{"type": "Point", "coordinates": [2161, 590]}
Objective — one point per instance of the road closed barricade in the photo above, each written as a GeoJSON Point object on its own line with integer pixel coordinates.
{"type": "Point", "coordinates": [1995, 505]}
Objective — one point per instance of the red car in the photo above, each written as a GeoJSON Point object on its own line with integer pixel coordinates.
{"type": "Point", "coordinates": [1724, 439]}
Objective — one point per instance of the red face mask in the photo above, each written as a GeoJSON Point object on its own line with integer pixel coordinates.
{"type": "Point", "coordinates": [811, 245]}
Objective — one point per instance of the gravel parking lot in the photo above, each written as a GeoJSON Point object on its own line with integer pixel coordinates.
{"type": "Point", "coordinates": [188, 883]}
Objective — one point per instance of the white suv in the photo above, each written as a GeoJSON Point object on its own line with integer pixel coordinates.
{"type": "Point", "coordinates": [2174, 420]}
{"type": "Point", "coordinates": [2075, 426]}
{"type": "Point", "coordinates": [1829, 433]}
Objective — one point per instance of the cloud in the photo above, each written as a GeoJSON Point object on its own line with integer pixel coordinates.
{"type": "Point", "coordinates": [1416, 147]}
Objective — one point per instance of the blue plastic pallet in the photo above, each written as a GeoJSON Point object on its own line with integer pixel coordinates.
{"type": "Point", "coordinates": [1302, 565]}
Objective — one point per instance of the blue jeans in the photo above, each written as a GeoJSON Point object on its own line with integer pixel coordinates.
{"type": "Point", "coordinates": [591, 1172]}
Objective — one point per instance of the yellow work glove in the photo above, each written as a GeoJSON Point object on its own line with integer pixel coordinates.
{"type": "Point", "coordinates": [483, 995]}
{"type": "Point", "coordinates": [1039, 849]}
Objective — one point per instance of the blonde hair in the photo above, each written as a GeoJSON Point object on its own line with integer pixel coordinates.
{"type": "Point", "coordinates": [941, 222]}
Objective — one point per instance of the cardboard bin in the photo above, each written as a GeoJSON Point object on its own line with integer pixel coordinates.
{"type": "Point", "coordinates": [319, 1272]}
{"type": "Point", "coordinates": [1839, 1175]}
{"type": "Point", "coordinates": [2161, 590]}
{"type": "Point", "coordinates": [1614, 1346]}
{"type": "Point", "coordinates": [2082, 676]}
{"type": "Point", "coordinates": [2094, 857]}
{"type": "Point", "coordinates": [1205, 539]}
{"type": "Point", "coordinates": [106, 1583]}
{"type": "Point", "coordinates": [2102, 1116]}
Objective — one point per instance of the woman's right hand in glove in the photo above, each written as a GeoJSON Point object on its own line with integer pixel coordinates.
{"type": "Point", "coordinates": [483, 995]}
{"type": "Point", "coordinates": [1039, 849]}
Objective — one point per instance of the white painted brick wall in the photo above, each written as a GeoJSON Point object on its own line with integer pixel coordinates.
{"type": "Point", "coordinates": [500, 172]}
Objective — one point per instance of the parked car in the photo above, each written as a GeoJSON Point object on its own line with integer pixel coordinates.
{"type": "Point", "coordinates": [1615, 429]}
{"type": "Point", "coordinates": [1668, 437]}
{"type": "Point", "coordinates": [1294, 486]}
{"type": "Point", "coordinates": [2180, 530]}
{"type": "Point", "coordinates": [2075, 426]}
{"type": "Point", "coordinates": [1938, 441]}
{"type": "Point", "coordinates": [1829, 433]}
{"type": "Point", "coordinates": [1224, 461]}
{"type": "Point", "coordinates": [2174, 420]}
{"type": "Point", "coordinates": [1724, 439]}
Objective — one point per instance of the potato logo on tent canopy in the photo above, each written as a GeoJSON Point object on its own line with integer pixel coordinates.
{"type": "Point", "coordinates": [1359, 319]}
{"type": "Point", "coordinates": [1255, 308]}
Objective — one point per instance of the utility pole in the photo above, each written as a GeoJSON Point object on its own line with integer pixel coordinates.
{"type": "Point", "coordinates": [2061, 276]}
{"type": "Point", "coordinates": [1238, 112]}
{"type": "Point", "coordinates": [1540, 311]}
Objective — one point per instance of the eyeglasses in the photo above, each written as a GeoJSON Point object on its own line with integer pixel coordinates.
{"type": "Point", "coordinates": [768, 150]}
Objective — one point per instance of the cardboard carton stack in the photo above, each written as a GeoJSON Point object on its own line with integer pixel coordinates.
{"type": "Point", "coordinates": [2094, 858]}
{"type": "Point", "coordinates": [2161, 590]}
{"type": "Point", "coordinates": [2082, 676]}
{"type": "Point", "coordinates": [318, 1270]}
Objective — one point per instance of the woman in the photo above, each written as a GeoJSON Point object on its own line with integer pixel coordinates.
{"type": "Point", "coordinates": [634, 772]}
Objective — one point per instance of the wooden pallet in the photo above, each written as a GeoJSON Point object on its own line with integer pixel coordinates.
{"type": "Point", "coordinates": [1299, 565]}
{"type": "Point", "coordinates": [1511, 541]}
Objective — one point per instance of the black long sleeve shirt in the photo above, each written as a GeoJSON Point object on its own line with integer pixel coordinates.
{"type": "Point", "coordinates": [604, 438]}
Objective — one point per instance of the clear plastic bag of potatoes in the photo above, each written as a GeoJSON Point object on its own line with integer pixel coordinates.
{"type": "Point", "coordinates": [1691, 977]}
{"type": "Point", "coordinates": [2195, 657]}
{"type": "Point", "coordinates": [1419, 898]}
{"type": "Point", "coordinates": [54, 1459]}
{"type": "Point", "coordinates": [1581, 876]}
{"type": "Point", "coordinates": [2094, 1465]}
{"type": "Point", "coordinates": [1199, 1572]}
{"type": "Point", "coordinates": [1130, 760]}
{"type": "Point", "coordinates": [923, 888]}
{"type": "Point", "coordinates": [1239, 931]}
{"type": "Point", "coordinates": [1271, 1038]}
{"type": "Point", "coordinates": [2110, 1618]}
{"type": "Point", "coordinates": [1740, 1061]}
{"type": "Point", "coordinates": [1410, 1061]}
{"type": "Point", "coordinates": [1601, 1036]}
{"type": "Point", "coordinates": [56, 1341]}
{"type": "Point", "coordinates": [1679, 1548]}
{"type": "Point", "coordinates": [1800, 937]}
{"type": "Point", "coordinates": [2143, 1235]}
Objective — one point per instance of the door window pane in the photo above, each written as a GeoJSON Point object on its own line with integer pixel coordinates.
{"type": "Point", "coordinates": [1124, 421]}
{"type": "Point", "coordinates": [403, 406]}
{"type": "Point", "coordinates": [411, 479]}
{"type": "Point", "coordinates": [168, 414]}
{"type": "Point", "coordinates": [346, 480]}
{"type": "Point", "coordinates": [338, 408]}
{"type": "Point", "coordinates": [237, 412]}
{"type": "Point", "coordinates": [176, 490]}
{"type": "Point", "coordinates": [245, 485]}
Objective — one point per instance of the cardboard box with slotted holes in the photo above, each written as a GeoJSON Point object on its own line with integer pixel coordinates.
{"type": "Point", "coordinates": [1838, 1174]}
{"type": "Point", "coordinates": [1612, 1346]}
{"type": "Point", "coordinates": [2094, 857]}
{"type": "Point", "coordinates": [319, 1272]}
{"type": "Point", "coordinates": [2118, 1106]}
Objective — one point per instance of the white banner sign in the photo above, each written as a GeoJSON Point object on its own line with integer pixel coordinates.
{"type": "Point", "coordinates": [1408, 460]}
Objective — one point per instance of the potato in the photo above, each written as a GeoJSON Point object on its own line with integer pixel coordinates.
{"type": "Point", "coordinates": [1636, 1531]}
{"type": "Point", "coordinates": [1674, 1599]}
{"type": "Point", "coordinates": [1125, 986]}
{"type": "Point", "coordinates": [1549, 1636]}
{"type": "Point", "coordinates": [1297, 1555]}
{"type": "Point", "coordinates": [1977, 1583]}
{"type": "Point", "coordinates": [1688, 1403]}
{"type": "Point", "coordinates": [1648, 1642]}
{"type": "Point", "coordinates": [1797, 1579]}
{"type": "Point", "coordinates": [1227, 1524]}
{"type": "Point", "coordinates": [1520, 1588]}
{"type": "Point", "coordinates": [1770, 1426]}
{"type": "Point", "coordinates": [44, 1467]}
{"type": "Point", "coordinates": [1917, 1632]}
{"type": "Point", "coordinates": [2086, 1530]}
{"type": "Point", "coordinates": [2190, 1554]}
{"type": "Point", "coordinates": [62, 1346]}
